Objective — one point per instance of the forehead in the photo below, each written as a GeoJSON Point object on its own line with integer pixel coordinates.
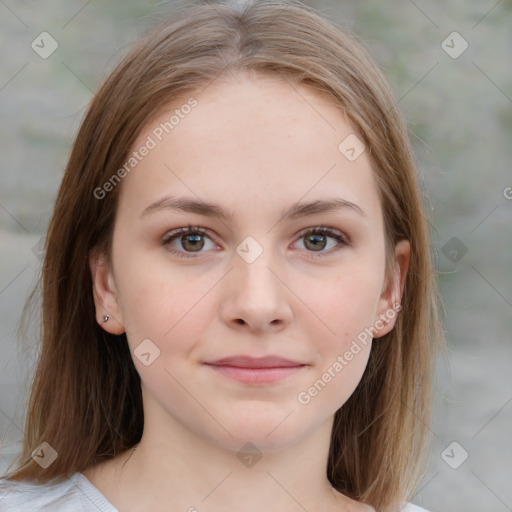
{"type": "Point", "coordinates": [250, 144]}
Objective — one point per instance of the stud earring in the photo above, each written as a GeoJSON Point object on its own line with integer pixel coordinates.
{"type": "Point", "coordinates": [105, 318]}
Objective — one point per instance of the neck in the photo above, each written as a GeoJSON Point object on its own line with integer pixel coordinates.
{"type": "Point", "coordinates": [176, 470]}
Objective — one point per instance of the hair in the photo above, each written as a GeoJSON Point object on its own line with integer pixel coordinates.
{"type": "Point", "coordinates": [86, 399]}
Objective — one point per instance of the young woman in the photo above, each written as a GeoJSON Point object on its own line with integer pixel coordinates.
{"type": "Point", "coordinates": [239, 305]}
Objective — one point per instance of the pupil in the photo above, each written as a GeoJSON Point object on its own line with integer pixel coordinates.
{"type": "Point", "coordinates": [194, 241]}
{"type": "Point", "coordinates": [316, 239]}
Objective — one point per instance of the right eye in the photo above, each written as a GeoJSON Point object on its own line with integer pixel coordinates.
{"type": "Point", "coordinates": [190, 240]}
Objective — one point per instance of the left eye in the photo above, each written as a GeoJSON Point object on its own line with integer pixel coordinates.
{"type": "Point", "coordinates": [316, 239]}
{"type": "Point", "coordinates": [193, 240]}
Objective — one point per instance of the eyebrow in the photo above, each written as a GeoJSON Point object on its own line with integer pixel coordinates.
{"type": "Point", "coordinates": [296, 211]}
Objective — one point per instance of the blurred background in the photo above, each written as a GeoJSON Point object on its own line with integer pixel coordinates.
{"type": "Point", "coordinates": [450, 66]}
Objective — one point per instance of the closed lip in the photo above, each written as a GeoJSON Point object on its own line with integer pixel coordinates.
{"type": "Point", "coordinates": [256, 362]}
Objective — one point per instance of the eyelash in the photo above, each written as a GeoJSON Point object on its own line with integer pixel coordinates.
{"type": "Point", "coordinates": [329, 231]}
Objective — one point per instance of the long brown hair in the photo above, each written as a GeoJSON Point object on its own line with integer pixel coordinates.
{"type": "Point", "coordinates": [86, 397]}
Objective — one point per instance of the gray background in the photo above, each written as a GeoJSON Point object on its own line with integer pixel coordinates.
{"type": "Point", "coordinates": [460, 116]}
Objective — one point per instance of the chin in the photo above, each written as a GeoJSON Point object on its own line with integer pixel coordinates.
{"type": "Point", "coordinates": [273, 432]}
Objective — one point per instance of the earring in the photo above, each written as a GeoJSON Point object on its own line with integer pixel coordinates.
{"type": "Point", "coordinates": [105, 318]}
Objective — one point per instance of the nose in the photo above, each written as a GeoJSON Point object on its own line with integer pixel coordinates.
{"type": "Point", "coordinates": [256, 297]}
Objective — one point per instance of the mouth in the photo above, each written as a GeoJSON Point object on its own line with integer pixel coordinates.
{"type": "Point", "coordinates": [252, 370]}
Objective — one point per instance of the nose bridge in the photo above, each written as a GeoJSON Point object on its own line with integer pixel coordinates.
{"type": "Point", "coordinates": [256, 295]}
{"type": "Point", "coordinates": [253, 274]}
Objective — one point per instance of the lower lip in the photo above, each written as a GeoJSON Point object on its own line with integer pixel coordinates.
{"type": "Point", "coordinates": [256, 375]}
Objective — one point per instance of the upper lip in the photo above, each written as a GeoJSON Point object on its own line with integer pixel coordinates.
{"type": "Point", "coordinates": [256, 362]}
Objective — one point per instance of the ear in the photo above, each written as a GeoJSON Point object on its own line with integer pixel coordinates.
{"type": "Point", "coordinates": [105, 296]}
{"type": "Point", "coordinates": [391, 296]}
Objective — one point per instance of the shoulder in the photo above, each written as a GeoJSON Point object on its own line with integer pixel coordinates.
{"type": "Point", "coordinates": [409, 507]}
{"type": "Point", "coordinates": [74, 494]}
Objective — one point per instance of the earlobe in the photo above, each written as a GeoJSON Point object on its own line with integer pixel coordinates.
{"type": "Point", "coordinates": [108, 311]}
{"type": "Point", "coordinates": [391, 297]}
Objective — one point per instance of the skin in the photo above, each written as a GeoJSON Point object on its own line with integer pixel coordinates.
{"type": "Point", "coordinates": [255, 146]}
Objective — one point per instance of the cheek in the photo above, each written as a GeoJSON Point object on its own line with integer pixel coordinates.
{"type": "Point", "coordinates": [338, 379]}
{"type": "Point", "coordinates": [344, 303]}
{"type": "Point", "coordinates": [166, 306]}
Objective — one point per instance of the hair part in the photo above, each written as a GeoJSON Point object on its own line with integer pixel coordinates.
{"type": "Point", "coordinates": [86, 399]}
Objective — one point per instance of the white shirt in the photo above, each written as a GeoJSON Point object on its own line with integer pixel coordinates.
{"type": "Point", "coordinates": [76, 494]}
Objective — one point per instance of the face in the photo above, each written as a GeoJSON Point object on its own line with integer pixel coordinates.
{"type": "Point", "coordinates": [264, 280]}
